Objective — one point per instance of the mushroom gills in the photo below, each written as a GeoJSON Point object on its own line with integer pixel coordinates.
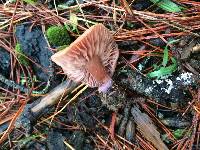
{"type": "Point", "coordinates": [97, 70]}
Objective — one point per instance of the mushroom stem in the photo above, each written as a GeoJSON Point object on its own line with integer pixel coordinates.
{"type": "Point", "coordinates": [104, 88]}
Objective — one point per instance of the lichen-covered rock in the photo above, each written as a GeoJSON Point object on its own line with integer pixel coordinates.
{"type": "Point", "coordinates": [164, 91]}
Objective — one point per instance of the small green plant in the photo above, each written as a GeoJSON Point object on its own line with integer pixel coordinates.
{"type": "Point", "coordinates": [58, 36]}
{"type": "Point", "coordinates": [28, 79]}
{"type": "Point", "coordinates": [33, 2]}
{"type": "Point", "coordinates": [178, 133]}
{"type": "Point", "coordinates": [164, 70]}
{"type": "Point", "coordinates": [26, 140]}
{"type": "Point", "coordinates": [72, 25]}
{"type": "Point", "coordinates": [130, 25]}
{"type": "Point", "coordinates": [21, 57]}
{"type": "Point", "coordinates": [167, 5]}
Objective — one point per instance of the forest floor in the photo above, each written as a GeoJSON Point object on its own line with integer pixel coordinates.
{"type": "Point", "coordinates": [155, 99]}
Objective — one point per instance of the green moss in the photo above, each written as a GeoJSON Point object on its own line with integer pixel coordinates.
{"type": "Point", "coordinates": [22, 59]}
{"type": "Point", "coordinates": [58, 36]}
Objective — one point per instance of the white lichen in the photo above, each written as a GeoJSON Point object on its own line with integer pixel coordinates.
{"type": "Point", "coordinates": [186, 78]}
{"type": "Point", "coordinates": [149, 89]}
{"type": "Point", "coordinates": [158, 81]}
{"type": "Point", "coordinates": [170, 86]}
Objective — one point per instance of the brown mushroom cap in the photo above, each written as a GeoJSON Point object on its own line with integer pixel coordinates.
{"type": "Point", "coordinates": [91, 58]}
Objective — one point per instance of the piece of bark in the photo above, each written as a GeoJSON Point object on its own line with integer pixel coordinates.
{"type": "Point", "coordinates": [130, 130]}
{"type": "Point", "coordinates": [148, 130]}
{"type": "Point", "coordinates": [33, 111]}
{"type": "Point", "coordinates": [124, 120]}
{"type": "Point", "coordinates": [171, 90]}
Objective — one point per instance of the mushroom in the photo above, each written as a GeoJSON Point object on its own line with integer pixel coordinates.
{"type": "Point", "coordinates": [91, 58]}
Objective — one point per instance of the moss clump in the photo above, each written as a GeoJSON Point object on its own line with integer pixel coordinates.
{"type": "Point", "coordinates": [58, 36]}
{"type": "Point", "coordinates": [22, 59]}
